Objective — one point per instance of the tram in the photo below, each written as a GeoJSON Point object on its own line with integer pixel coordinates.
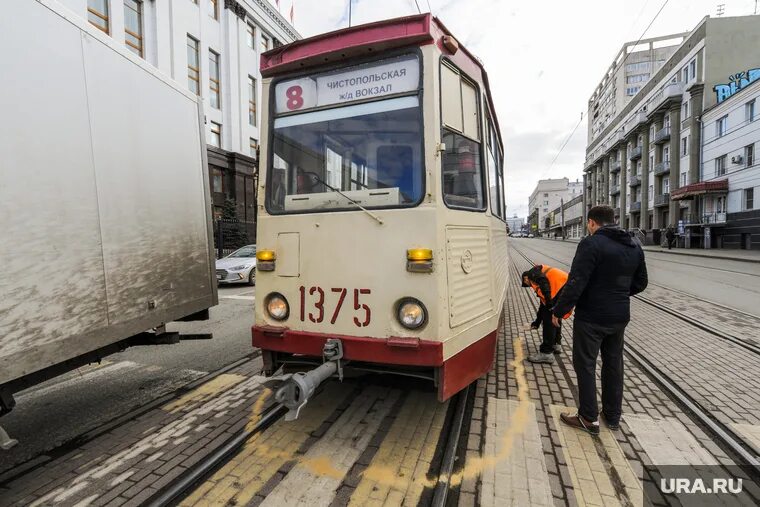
{"type": "Point", "coordinates": [381, 220]}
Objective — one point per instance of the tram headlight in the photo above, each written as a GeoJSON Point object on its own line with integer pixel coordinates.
{"type": "Point", "coordinates": [411, 313]}
{"type": "Point", "coordinates": [277, 306]}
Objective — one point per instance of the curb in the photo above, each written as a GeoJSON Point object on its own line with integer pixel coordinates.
{"type": "Point", "coordinates": [689, 253]}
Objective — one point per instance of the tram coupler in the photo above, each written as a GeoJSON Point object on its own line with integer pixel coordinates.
{"type": "Point", "coordinates": [297, 388]}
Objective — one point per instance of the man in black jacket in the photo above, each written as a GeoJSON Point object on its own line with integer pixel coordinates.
{"type": "Point", "coordinates": [608, 269]}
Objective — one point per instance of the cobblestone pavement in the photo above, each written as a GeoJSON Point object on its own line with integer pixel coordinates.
{"type": "Point", "coordinates": [368, 443]}
{"type": "Point", "coordinates": [720, 375]}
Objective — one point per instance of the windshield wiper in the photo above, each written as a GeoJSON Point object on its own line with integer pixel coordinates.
{"type": "Point", "coordinates": [368, 212]}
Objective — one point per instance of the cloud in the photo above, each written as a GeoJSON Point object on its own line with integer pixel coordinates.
{"type": "Point", "coordinates": [544, 60]}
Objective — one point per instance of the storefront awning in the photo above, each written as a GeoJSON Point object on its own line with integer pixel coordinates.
{"type": "Point", "coordinates": [701, 188]}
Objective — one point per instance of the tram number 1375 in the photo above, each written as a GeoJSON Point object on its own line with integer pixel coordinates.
{"type": "Point", "coordinates": [316, 311]}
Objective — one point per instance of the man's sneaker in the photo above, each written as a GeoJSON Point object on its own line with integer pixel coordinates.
{"type": "Point", "coordinates": [614, 426]}
{"type": "Point", "coordinates": [578, 421]}
{"type": "Point", "coordinates": [540, 357]}
{"type": "Point", "coordinates": [558, 349]}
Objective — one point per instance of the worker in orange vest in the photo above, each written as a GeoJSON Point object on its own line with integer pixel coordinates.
{"type": "Point", "coordinates": [547, 282]}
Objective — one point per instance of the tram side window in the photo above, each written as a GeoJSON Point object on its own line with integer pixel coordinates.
{"type": "Point", "coordinates": [495, 174]}
{"type": "Point", "coordinates": [461, 162]}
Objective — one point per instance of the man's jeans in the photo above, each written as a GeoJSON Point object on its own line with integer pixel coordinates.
{"type": "Point", "coordinates": [588, 340]}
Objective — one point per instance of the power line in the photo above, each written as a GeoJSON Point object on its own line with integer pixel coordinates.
{"type": "Point", "coordinates": [645, 30]}
{"type": "Point", "coordinates": [430, 9]}
{"type": "Point", "coordinates": [563, 145]}
{"type": "Point", "coordinates": [419, 11]}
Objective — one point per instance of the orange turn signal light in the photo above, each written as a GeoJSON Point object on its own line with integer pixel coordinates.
{"type": "Point", "coordinates": [419, 254]}
{"type": "Point", "coordinates": [265, 255]}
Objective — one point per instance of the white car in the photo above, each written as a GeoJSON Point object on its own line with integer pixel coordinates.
{"type": "Point", "coordinates": [237, 267]}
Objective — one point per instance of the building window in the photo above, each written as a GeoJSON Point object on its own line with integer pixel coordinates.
{"type": "Point", "coordinates": [633, 90]}
{"type": "Point", "coordinates": [216, 135]}
{"type": "Point", "coordinates": [217, 180]}
{"type": "Point", "coordinates": [720, 126]}
{"type": "Point", "coordinates": [254, 145]}
{"type": "Point", "coordinates": [685, 110]}
{"type": "Point", "coordinates": [749, 198]}
{"type": "Point", "coordinates": [193, 66]}
{"type": "Point", "coordinates": [133, 30]}
{"type": "Point", "coordinates": [213, 79]}
{"type": "Point", "coordinates": [684, 146]}
{"type": "Point", "coordinates": [250, 37]}
{"type": "Point", "coordinates": [637, 78]}
{"type": "Point", "coordinates": [750, 110]}
{"type": "Point", "coordinates": [685, 74]}
{"type": "Point", "coordinates": [264, 43]}
{"type": "Point", "coordinates": [546, 195]}
{"type": "Point", "coordinates": [749, 155]}
{"type": "Point", "coordinates": [666, 185]}
{"type": "Point", "coordinates": [651, 192]}
{"type": "Point", "coordinates": [666, 154]}
{"type": "Point", "coordinates": [720, 166]}
{"type": "Point", "coordinates": [251, 101]}
{"type": "Point", "coordinates": [214, 11]}
{"type": "Point", "coordinates": [693, 70]}
{"type": "Point", "coordinates": [683, 179]}
{"type": "Point", "coordinates": [97, 14]}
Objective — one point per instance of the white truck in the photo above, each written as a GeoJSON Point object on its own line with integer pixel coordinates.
{"type": "Point", "coordinates": [105, 214]}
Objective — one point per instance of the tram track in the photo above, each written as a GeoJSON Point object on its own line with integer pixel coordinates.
{"type": "Point", "coordinates": [451, 437]}
{"type": "Point", "coordinates": [748, 345]}
{"type": "Point", "coordinates": [726, 436]}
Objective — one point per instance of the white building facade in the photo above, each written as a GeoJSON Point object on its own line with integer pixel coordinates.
{"type": "Point", "coordinates": [212, 47]}
{"type": "Point", "coordinates": [730, 144]}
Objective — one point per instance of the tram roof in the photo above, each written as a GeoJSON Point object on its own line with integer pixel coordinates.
{"type": "Point", "coordinates": [373, 38]}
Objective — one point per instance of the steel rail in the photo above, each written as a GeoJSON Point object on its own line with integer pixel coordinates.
{"type": "Point", "coordinates": [179, 487]}
{"type": "Point", "coordinates": [729, 438]}
{"type": "Point", "coordinates": [752, 347]}
{"type": "Point", "coordinates": [450, 454]}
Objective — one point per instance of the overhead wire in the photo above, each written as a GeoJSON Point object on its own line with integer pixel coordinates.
{"type": "Point", "coordinates": [559, 152]}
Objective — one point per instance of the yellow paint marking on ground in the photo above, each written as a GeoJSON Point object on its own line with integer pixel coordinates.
{"type": "Point", "coordinates": [242, 477]}
{"type": "Point", "coordinates": [385, 477]}
{"type": "Point", "coordinates": [589, 474]}
{"type": "Point", "coordinates": [204, 392]}
{"type": "Point", "coordinates": [397, 471]}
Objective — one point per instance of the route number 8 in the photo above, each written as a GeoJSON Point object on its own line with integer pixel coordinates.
{"type": "Point", "coordinates": [295, 99]}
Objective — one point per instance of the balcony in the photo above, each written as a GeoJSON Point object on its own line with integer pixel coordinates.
{"type": "Point", "coordinates": [634, 180]}
{"type": "Point", "coordinates": [662, 135]}
{"type": "Point", "coordinates": [662, 168]}
{"type": "Point", "coordinates": [663, 99]}
{"type": "Point", "coordinates": [614, 167]}
{"type": "Point", "coordinates": [713, 218]}
{"type": "Point", "coordinates": [635, 153]}
{"type": "Point", "coordinates": [636, 120]}
{"type": "Point", "coordinates": [614, 189]}
{"type": "Point", "coordinates": [661, 200]}
{"type": "Point", "coordinates": [636, 206]}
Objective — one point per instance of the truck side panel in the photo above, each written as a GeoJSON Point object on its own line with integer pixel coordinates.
{"type": "Point", "coordinates": [103, 193]}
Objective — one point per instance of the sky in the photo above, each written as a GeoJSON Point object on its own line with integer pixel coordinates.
{"type": "Point", "coordinates": [543, 57]}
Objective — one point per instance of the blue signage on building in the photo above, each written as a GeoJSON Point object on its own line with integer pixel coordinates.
{"type": "Point", "coordinates": [736, 83]}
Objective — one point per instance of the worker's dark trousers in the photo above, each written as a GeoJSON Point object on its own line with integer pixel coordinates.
{"type": "Point", "coordinates": [588, 340]}
{"type": "Point", "coordinates": [552, 335]}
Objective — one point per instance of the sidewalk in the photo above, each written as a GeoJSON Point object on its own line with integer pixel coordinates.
{"type": "Point", "coordinates": [717, 253]}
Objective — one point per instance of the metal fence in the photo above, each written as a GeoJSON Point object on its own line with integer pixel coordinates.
{"type": "Point", "coordinates": [229, 235]}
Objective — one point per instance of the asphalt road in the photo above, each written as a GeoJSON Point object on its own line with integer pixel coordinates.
{"type": "Point", "coordinates": [61, 409]}
{"type": "Point", "coordinates": [735, 284]}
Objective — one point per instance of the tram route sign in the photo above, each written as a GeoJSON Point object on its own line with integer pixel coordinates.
{"type": "Point", "coordinates": [388, 77]}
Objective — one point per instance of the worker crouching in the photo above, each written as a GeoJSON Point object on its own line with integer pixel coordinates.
{"type": "Point", "coordinates": [547, 282]}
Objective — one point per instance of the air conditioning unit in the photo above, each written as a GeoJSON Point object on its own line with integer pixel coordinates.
{"type": "Point", "coordinates": [738, 159]}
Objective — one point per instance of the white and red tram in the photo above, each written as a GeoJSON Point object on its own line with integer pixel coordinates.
{"type": "Point", "coordinates": [381, 220]}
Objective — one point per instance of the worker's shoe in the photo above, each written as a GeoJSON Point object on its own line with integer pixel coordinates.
{"type": "Point", "coordinates": [580, 422]}
{"type": "Point", "coordinates": [611, 424]}
{"type": "Point", "coordinates": [558, 349]}
{"type": "Point", "coordinates": [540, 357]}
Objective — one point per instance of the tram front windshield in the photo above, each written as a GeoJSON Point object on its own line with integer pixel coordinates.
{"type": "Point", "coordinates": [368, 153]}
